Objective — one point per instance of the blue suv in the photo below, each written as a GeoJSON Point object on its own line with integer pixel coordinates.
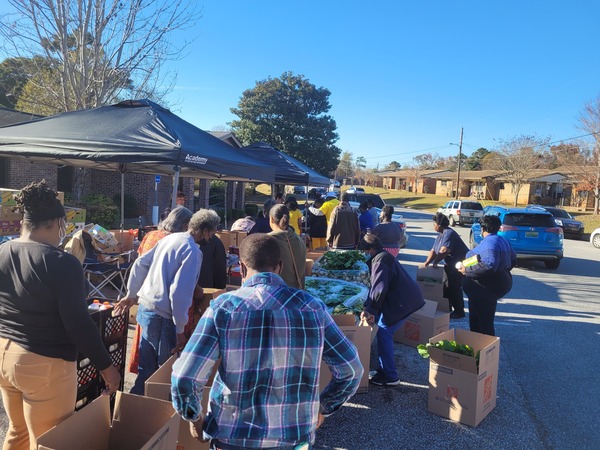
{"type": "Point", "coordinates": [532, 232]}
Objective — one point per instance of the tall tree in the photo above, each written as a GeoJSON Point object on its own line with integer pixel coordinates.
{"type": "Point", "coordinates": [97, 50]}
{"type": "Point", "coordinates": [345, 167]}
{"type": "Point", "coordinates": [290, 113]}
{"type": "Point", "coordinates": [361, 162]}
{"type": "Point", "coordinates": [516, 158]}
{"type": "Point", "coordinates": [589, 121]}
{"type": "Point", "coordinates": [393, 165]}
{"type": "Point", "coordinates": [427, 161]}
{"type": "Point", "coordinates": [475, 161]}
{"type": "Point", "coordinates": [14, 75]}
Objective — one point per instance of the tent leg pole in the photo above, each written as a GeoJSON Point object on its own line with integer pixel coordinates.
{"type": "Point", "coordinates": [122, 200]}
{"type": "Point", "coordinates": [175, 187]}
{"type": "Point", "coordinates": [225, 205]}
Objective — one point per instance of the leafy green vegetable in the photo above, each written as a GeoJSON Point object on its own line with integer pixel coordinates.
{"type": "Point", "coordinates": [341, 260]}
{"type": "Point", "coordinates": [450, 346]}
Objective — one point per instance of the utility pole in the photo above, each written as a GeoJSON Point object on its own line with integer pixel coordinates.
{"type": "Point", "coordinates": [458, 164]}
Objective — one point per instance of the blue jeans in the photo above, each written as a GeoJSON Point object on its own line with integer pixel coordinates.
{"type": "Point", "coordinates": [158, 339]}
{"type": "Point", "coordinates": [385, 347]}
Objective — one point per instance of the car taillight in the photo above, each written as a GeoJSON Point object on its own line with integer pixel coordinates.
{"type": "Point", "coordinates": [508, 228]}
{"type": "Point", "coordinates": [402, 225]}
{"type": "Point", "coordinates": [556, 230]}
{"type": "Point", "coordinates": [458, 212]}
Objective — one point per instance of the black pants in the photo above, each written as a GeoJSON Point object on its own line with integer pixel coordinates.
{"type": "Point", "coordinates": [482, 307]}
{"type": "Point", "coordinates": [453, 291]}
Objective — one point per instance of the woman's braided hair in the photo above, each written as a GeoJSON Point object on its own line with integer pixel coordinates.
{"type": "Point", "coordinates": [36, 198]}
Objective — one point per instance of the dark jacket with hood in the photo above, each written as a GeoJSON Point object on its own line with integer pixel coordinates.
{"type": "Point", "coordinates": [393, 292]}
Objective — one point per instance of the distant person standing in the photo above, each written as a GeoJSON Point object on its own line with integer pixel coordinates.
{"type": "Point", "coordinates": [373, 211]}
{"type": "Point", "coordinates": [262, 223]}
{"type": "Point", "coordinates": [317, 225]}
{"type": "Point", "coordinates": [343, 231]}
{"type": "Point", "coordinates": [295, 214]}
{"type": "Point", "coordinates": [365, 219]}
{"type": "Point", "coordinates": [490, 279]}
{"type": "Point", "coordinates": [450, 248]}
{"type": "Point", "coordinates": [291, 246]}
{"type": "Point", "coordinates": [389, 232]}
{"type": "Point", "coordinates": [279, 198]}
{"type": "Point", "coordinates": [331, 201]}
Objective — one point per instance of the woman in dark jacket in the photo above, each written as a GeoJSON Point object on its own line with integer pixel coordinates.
{"type": "Point", "coordinates": [450, 248]}
{"type": "Point", "coordinates": [393, 296]}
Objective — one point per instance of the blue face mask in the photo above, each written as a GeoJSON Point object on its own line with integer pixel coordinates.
{"type": "Point", "coordinates": [368, 256]}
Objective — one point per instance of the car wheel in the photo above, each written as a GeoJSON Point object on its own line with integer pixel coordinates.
{"type": "Point", "coordinates": [596, 241]}
{"type": "Point", "coordinates": [452, 221]}
{"type": "Point", "coordinates": [552, 264]}
{"type": "Point", "coordinates": [472, 244]}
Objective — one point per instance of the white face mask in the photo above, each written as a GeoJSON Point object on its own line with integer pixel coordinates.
{"type": "Point", "coordinates": [62, 230]}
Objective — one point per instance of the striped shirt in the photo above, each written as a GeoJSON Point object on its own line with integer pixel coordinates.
{"type": "Point", "coordinates": [271, 339]}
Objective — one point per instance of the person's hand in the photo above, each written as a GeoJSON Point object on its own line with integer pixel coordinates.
{"type": "Point", "coordinates": [123, 305]}
{"type": "Point", "coordinates": [197, 429]}
{"type": "Point", "coordinates": [434, 265]}
{"type": "Point", "coordinates": [112, 379]}
{"type": "Point", "coordinates": [461, 269]}
{"type": "Point", "coordinates": [180, 343]}
{"type": "Point", "coordinates": [425, 264]}
{"type": "Point", "coordinates": [320, 421]}
{"type": "Point", "coordinates": [370, 318]}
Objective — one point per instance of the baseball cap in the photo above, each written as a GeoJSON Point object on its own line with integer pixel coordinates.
{"type": "Point", "coordinates": [331, 194]}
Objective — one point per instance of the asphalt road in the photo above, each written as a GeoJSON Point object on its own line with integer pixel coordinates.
{"type": "Point", "coordinates": [548, 387]}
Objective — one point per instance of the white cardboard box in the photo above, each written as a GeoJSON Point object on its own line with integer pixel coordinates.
{"type": "Point", "coordinates": [423, 324]}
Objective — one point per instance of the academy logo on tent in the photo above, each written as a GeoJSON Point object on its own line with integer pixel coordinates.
{"type": "Point", "coordinates": [195, 159]}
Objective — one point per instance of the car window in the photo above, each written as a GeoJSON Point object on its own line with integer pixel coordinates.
{"type": "Point", "coordinates": [472, 205]}
{"type": "Point", "coordinates": [376, 199]}
{"type": "Point", "coordinates": [560, 213]}
{"type": "Point", "coordinates": [529, 220]}
{"type": "Point", "coordinates": [445, 205]}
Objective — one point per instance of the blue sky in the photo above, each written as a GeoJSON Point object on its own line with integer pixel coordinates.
{"type": "Point", "coordinates": [404, 76]}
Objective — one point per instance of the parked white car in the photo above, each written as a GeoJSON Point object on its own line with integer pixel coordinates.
{"type": "Point", "coordinates": [595, 238]}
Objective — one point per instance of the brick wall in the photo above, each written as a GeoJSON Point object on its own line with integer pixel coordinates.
{"type": "Point", "coordinates": [20, 173]}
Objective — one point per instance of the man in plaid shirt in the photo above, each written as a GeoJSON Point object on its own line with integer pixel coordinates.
{"type": "Point", "coordinates": [271, 340]}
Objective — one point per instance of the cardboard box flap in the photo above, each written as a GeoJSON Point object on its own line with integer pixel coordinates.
{"type": "Point", "coordinates": [453, 360]}
{"type": "Point", "coordinates": [429, 309]}
{"type": "Point", "coordinates": [80, 435]}
{"type": "Point", "coordinates": [122, 437]}
{"type": "Point", "coordinates": [430, 274]}
{"type": "Point", "coordinates": [129, 405]}
{"type": "Point", "coordinates": [488, 346]}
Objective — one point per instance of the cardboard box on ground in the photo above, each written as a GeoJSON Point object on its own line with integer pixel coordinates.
{"type": "Point", "coordinates": [458, 389]}
{"type": "Point", "coordinates": [362, 336]}
{"type": "Point", "coordinates": [431, 281]}
{"type": "Point", "coordinates": [231, 238]}
{"type": "Point", "coordinates": [137, 423]}
{"type": "Point", "coordinates": [425, 323]}
{"type": "Point", "coordinates": [159, 386]}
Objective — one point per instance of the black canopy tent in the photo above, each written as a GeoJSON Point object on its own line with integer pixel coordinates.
{"type": "Point", "coordinates": [134, 135]}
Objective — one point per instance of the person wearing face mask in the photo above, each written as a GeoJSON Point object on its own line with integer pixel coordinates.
{"type": "Point", "coordinates": [393, 296]}
{"type": "Point", "coordinates": [44, 322]}
{"type": "Point", "coordinates": [162, 282]}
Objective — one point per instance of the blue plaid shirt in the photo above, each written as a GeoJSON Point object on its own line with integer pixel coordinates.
{"type": "Point", "coordinates": [271, 339]}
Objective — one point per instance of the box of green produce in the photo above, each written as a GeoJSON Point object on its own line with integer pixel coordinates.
{"type": "Point", "coordinates": [463, 375]}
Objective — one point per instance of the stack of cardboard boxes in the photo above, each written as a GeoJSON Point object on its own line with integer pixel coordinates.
{"type": "Point", "coordinates": [431, 319]}
{"type": "Point", "coordinates": [10, 222]}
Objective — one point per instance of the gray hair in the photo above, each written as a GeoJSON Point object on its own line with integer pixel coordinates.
{"type": "Point", "coordinates": [204, 219]}
{"type": "Point", "coordinates": [177, 220]}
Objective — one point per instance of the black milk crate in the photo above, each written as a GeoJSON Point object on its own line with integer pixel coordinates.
{"type": "Point", "coordinates": [87, 374]}
{"type": "Point", "coordinates": [86, 396]}
{"type": "Point", "coordinates": [114, 335]}
{"type": "Point", "coordinates": [110, 327]}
